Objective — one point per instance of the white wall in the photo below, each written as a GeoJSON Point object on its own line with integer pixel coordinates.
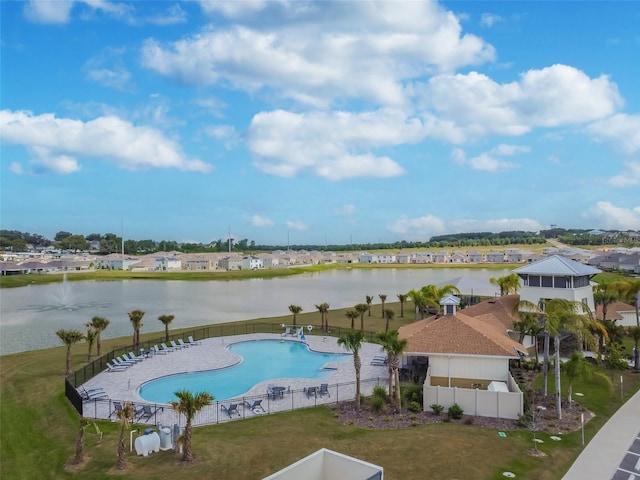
{"type": "Point", "coordinates": [534, 294]}
{"type": "Point", "coordinates": [493, 368]}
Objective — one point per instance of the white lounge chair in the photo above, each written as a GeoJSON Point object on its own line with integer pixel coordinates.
{"type": "Point", "coordinates": [116, 368]}
{"type": "Point", "coordinates": [182, 344]}
{"type": "Point", "coordinates": [174, 345]}
{"type": "Point", "coordinates": [165, 348]}
{"type": "Point", "coordinates": [192, 341]}
{"type": "Point", "coordinates": [159, 351]}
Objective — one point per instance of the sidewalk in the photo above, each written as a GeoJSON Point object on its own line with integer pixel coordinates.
{"type": "Point", "coordinates": [606, 451]}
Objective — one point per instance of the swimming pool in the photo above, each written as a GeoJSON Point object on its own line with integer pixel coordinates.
{"type": "Point", "coordinates": [261, 360]}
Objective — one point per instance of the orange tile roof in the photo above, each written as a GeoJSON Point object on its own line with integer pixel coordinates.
{"type": "Point", "coordinates": [613, 309]}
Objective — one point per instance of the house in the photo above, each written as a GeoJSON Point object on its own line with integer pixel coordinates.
{"type": "Point", "coordinates": [167, 263]}
{"type": "Point", "coordinates": [440, 257]}
{"type": "Point", "coordinates": [117, 261]}
{"type": "Point", "coordinates": [495, 256]}
{"type": "Point", "coordinates": [464, 352]}
{"type": "Point", "coordinates": [252, 263]}
{"type": "Point", "coordinates": [196, 263]}
{"type": "Point", "coordinates": [403, 258]}
{"type": "Point", "coordinates": [368, 258]}
{"type": "Point", "coordinates": [326, 464]}
{"type": "Point", "coordinates": [458, 257]}
{"type": "Point", "coordinates": [557, 277]}
{"type": "Point", "coordinates": [231, 263]}
{"type": "Point", "coordinates": [474, 256]}
{"type": "Point", "coordinates": [622, 313]}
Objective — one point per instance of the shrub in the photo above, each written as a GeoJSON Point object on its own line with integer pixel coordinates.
{"type": "Point", "coordinates": [415, 406]}
{"type": "Point", "coordinates": [437, 409]}
{"type": "Point", "coordinates": [413, 393]}
{"type": "Point", "coordinates": [380, 391]}
{"type": "Point", "coordinates": [455, 412]}
{"type": "Point", "coordinates": [377, 404]}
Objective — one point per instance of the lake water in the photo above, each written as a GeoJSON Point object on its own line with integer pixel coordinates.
{"type": "Point", "coordinates": [30, 316]}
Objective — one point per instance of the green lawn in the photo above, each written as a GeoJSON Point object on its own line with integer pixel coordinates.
{"type": "Point", "coordinates": [39, 428]}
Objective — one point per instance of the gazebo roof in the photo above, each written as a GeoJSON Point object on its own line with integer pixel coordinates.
{"type": "Point", "coordinates": [557, 265]}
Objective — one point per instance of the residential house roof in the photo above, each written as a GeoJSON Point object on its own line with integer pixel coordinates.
{"type": "Point", "coordinates": [557, 265]}
{"type": "Point", "coordinates": [614, 309]}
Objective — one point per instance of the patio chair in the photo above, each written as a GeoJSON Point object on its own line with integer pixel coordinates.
{"type": "Point", "coordinates": [287, 331]}
{"type": "Point", "coordinates": [116, 368]}
{"type": "Point", "coordinates": [231, 409]}
{"type": "Point", "coordinates": [92, 394]}
{"type": "Point", "coordinates": [255, 406]}
{"type": "Point", "coordinates": [192, 341]}
{"type": "Point", "coordinates": [157, 350]}
{"type": "Point", "coordinates": [117, 407]}
{"type": "Point", "coordinates": [311, 391]}
{"type": "Point", "coordinates": [324, 390]}
{"type": "Point", "coordinates": [121, 361]}
{"type": "Point", "coordinates": [174, 345]}
{"type": "Point", "coordinates": [148, 412]}
{"type": "Point", "coordinates": [132, 357]}
{"type": "Point", "coordinates": [165, 348]}
{"type": "Point", "coordinates": [182, 344]}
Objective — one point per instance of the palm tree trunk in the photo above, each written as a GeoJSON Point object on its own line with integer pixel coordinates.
{"type": "Point", "coordinates": [187, 456]}
{"type": "Point", "coordinates": [166, 333]}
{"type": "Point", "coordinates": [398, 396]}
{"type": "Point", "coordinates": [99, 346]}
{"type": "Point", "coordinates": [357, 364]}
{"type": "Point", "coordinates": [556, 344]}
{"type": "Point", "coordinates": [68, 360]}
{"type": "Point", "coordinates": [79, 446]}
{"type": "Point", "coordinates": [122, 464]}
{"type": "Point", "coordinates": [636, 360]}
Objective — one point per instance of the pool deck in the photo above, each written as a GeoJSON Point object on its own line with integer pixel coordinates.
{"type": "Point", "coordinates": [212, 353]}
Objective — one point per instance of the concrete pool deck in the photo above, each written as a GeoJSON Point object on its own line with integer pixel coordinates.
{"type": "Point", "coordinates": [212, 353]}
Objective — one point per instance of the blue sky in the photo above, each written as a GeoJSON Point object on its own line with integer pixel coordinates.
{"type": "Point", "coordinates": [318, 122]}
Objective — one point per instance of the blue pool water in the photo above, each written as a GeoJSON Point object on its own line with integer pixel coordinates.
{"type": "Point", "coordinates": [261, 360]}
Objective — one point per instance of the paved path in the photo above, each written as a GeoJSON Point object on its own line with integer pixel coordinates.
{"type": "Point", "coordinates": [614, 452]}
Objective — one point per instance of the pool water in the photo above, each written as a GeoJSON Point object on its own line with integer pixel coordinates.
{"type": "Point", "coordinates": [261, 360]}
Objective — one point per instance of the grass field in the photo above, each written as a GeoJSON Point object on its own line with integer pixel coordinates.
{"type": "Point", "coordinates": [39, 428]}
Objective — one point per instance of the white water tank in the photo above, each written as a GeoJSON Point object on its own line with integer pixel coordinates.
{"type": "Point", "coordinates": [165, 438]}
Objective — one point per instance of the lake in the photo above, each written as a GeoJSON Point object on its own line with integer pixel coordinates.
{"type": "Point", "coordinates": [30, 316]}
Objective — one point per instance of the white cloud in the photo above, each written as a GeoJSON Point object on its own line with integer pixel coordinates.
{"type": "Point", "coordinates": [622, 131]}
{"type": "Point", "coordinates": [47, 11]}
{"type": "Point", "coordinates": [422, 228]}
{"type": "Point", "coordinates": [297, 225]}
{"type": "Point", "coordinates": [261, 221]}
{"type": "Point", "coordinates": [320, 51]}
{"type": "Point", "coordinates": [17, 168]}
{"type": "Point", "coordinates": [609, 216]}
{"type": "Point", "coordinates": [347, 210]}
{"type": "Point", "coordinates": [55, 143]}
{"type": "Point", "coordinates": [333, 145]}
{"type": "Point", "coordinates": [490, 161]}
{"type": "Point", "coordinates": [490, 19]}
{"type": "Point", "coordinates": [630, 176]}
{"type": "Point", "coordinates": [225, 133]}
{"type": "Point", "coordinates": [473, 105]}
{"type": "Point", "coordinates": [172, 16]}
{"type": "Point", "coordinates": [107, 69]}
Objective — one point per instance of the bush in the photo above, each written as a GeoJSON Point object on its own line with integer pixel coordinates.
{"type": "Point", "coordinates": [437, 409]}
{"type": "Point", "coordinates": [380, 392]}
{"type": "Point", "coordinates": [377, 404]}
{"type": "Point", "coordinates": [413, 393]}
{"type": "Point", "coordinates": [415, 406]}
{"type": "Point", "coordinates": [455, 412]}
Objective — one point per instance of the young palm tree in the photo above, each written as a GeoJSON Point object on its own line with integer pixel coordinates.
{"type": "Point", "coordinates": [388, 315]}
{"type": "Point", "coordinates": [136, 320]}
{"type": "Point", "coordinates": [99, 324]}
{"type": "Point", "coordinates": [125, 416]}
{"type": "Point", "coordinates": [352, 315]}
{"type": "Point", "coordinates": [166, 320]}
{"type": "Point", "coordinates": [604, 295]}
{"type": "Point", "coordinates": [508, 284]}
{"type": "Point", "coordinates": [417, 297]}
{"type": "Point", "coordinates": [190, 404]}
{"type": "Point", "coordinates": [576, 367]}
{"type": "Point", "coordinates": [323, 308]}
{"type": "Point", "coordinates": [403, 298]}
{"type": "Point", "coordinates": [369, 300]}
{"type": "Point", "coordinates": [395, 347]}
{"type": "Point", "coordinates": [432, 294]}
{"type": "Point", "coordinates": [629, 291]}
{"type": "Point", "coordinates": [383, 298]}
{"type": "Point", "coordinates": [361, 308]}
{"type": "Point", "coordinates": [571, 317]}
{"type": "Point", "coordinates": [69, 338]}
{"type": "Point", "coordinates": [91, 338]}
{"type": "Point", "coordinates": [295, 309]}
{"type": "Point", "coordinates": [352, 341]}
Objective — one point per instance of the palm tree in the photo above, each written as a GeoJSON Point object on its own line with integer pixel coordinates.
{"type": "Point", "coordinates": [369, 300]}
{"type": "Point", "coordinates": [629, 291]}
{"type": "Point", "coordinates": [403, 298]}
{"type": "Point", "coordinates": [91, 338]}
{"type": "Point", "coordinates": [295, 309]}
{"type": "Point", "coordinates": [166, 320]}
{"type": "Point", "coordinates": [352, 341]}
{"type": "Point", "coordinates": [508, 284]}
{"type": "Point", "coordinates": [125, 416]}
{"type": "Point", "coordinates": [432, 294]}
{"type": "Point", "coordinates": [383, 298]}
{"type": "Point", "coordinates": [190, 404]}
{"type": "Point", "coordinates": [361, 308]}
{"type": "Point", "coordinates": [136, 320]}
{"type": "Point", "coordinates": [323, 308]}
{"type": "Point", "coordinates": [79, 458]}
{"type": "Point", "coordinates": [388, 314]}
{"type": "Point", "coordinates": [417, 298]}
{"type": "Point", "coordinates": [605, 295]}
{"type": "Point", "coordinates": [395, 347]}
{"type": "Point", "coordinates": [99, 324]}
{"type": "Point", "coordinates": [523, 307]}
{"type": "Point", "coordinates": [571, 317]}
{"type": "Point", "coordinates": [352, 315]}
{"type": "Point", "coordinates": [69, 338]}
{"type": "Point", "coordinates": [576, 367]}
{"type": "Point", "coordinates": [634, 333]}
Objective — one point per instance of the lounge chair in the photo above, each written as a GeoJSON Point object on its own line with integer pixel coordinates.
{"type": "Point", "coordinates": [182, 344]}
{"type": "Point", "coordinates": [158, 351]}
{"type": "Point", "coordinates": [133, 356]}
{"type": "Point", "coordinates": [121, 361]}
{"type": "Point", "coordinates": [287, 331]}
{"type": "Point", "coordinates": [148, 412]}
{"type": "Point", "coordinates": [231, 409]}
{"type": "Point", "coordinates": [324, 390]}
{"type": "Point", "coordinates": [92, 394]}
{"type": "Point", "coordinates": [379, 360]}
{"type": "Point", "coordinates": [255, 406]}
{"type": "Point", "coordinates": [174, 345]}
{"type": "Point", "coordinates": [116, 368]}
{"type": "Point", "coordinates": [192, 341]}
{"type": "Point", "coordinates": [165, 348]}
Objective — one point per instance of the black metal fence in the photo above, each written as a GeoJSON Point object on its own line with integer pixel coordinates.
{"type": "Point", "coordinates": [99, 365]}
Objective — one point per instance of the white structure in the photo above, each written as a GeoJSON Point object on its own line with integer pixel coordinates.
{"type": "Point", "coordinates": [252, 263]}
{"type": "Point", "coordinates": [557, 277]}
{"type": "Point", "coordinates": [329, 465]}
{"type": "Point", "coordinates": [167, 263]}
